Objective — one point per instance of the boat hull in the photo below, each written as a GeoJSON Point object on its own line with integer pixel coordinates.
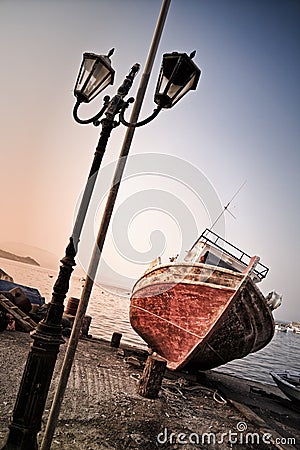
{"type": "Point", "coordinates": [199, 317]}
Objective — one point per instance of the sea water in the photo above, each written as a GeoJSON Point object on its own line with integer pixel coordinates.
{"type": "Point", "coordinates": [109, 308]}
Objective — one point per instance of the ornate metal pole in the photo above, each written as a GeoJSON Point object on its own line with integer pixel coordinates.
{"type": "Point", "coordinates": [35, 383]}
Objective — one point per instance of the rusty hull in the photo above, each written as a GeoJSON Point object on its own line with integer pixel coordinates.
{"type": "Point", "coordinates": [198, 316]}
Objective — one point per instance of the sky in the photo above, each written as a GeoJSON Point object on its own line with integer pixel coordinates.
{"type": "Point", "coordinates": [241, 124]}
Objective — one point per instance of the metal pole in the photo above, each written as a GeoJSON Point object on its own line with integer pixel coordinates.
{"type": "Point", "coordinates": [86, 293]}
{"type": "Point", "coordinates": [38, 372]}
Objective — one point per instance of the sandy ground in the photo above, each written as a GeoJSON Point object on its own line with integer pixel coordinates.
{"type": "Point", "coordinates": [102, 410]}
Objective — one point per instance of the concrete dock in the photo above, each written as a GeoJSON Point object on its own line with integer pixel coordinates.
{"type": "Point", "coordinates": [102, 410]}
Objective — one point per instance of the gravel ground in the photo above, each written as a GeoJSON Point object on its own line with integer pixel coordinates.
{"type": "Point", "coordinates": [102, 410]}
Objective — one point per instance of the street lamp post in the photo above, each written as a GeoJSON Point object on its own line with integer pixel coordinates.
{"type": "Point", "coordinates": [178, 75]}
{"type": "Point", "coordinates": [95, 74]}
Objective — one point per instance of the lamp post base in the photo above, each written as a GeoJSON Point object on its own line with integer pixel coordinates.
{"type": "Point", "coordinates": [20, 438]}
{"type": "Point", "coordinates": [34, 389]}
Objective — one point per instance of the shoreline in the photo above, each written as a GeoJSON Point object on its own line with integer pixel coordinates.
{"type": "Point", "coordinates": [102, 410]}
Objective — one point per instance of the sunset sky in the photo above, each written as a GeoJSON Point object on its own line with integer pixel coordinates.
{"type": "Point", "coordinates": [241, 124]}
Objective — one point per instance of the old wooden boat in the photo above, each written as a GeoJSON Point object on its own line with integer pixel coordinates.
{"type": "Point", "coordinates": [206, 310]}
{"type": "Point", "coordinates": [31, 293]}
{"type": "Point", "coordinates": [289, 383]}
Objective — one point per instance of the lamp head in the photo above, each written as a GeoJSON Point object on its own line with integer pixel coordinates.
{"type": "Point", "coordinates": [178, 75]}
{"type": "Point", "coordinates": [94, 76]}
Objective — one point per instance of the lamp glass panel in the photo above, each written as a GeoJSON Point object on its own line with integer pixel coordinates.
{"type": "Point", "coordinates": [183, 74]}
{"type": "Point", "coordinates": [177, 92]}
{"type": "Point", "coordinates": [101, 87]}
{"type": "Point", "coordinates": [163, 84]}
{"type": "Point", "coordinates": [173, 89]}
{"type": "Point", "coordinates": [85, 71]}
{"type": "Point", "coordinates": [169, 66]}
{"type": "Point", "coordinates": [95, 81]}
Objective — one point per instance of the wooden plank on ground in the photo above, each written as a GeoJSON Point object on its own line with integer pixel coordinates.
{"type": "Point", "coordinates": [23, 320]}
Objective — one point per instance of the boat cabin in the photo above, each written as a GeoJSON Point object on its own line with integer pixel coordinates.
{"type": "Point", "coordinates": [214, 250]}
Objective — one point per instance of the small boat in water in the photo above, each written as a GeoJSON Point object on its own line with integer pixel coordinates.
{"type": "Point", "coordinates": [206, 310]}
{"type": "Point", "coordinates": [289, 383]}
{"type": "Point", "coordinates": [281, 328]}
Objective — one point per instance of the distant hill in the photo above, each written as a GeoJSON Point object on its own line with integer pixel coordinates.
{"type": "Point", "coordinates": [45, 259]}
{"type": "Point", "coordinates": [13, 257]}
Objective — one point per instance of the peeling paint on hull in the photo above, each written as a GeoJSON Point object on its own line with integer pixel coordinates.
{"type": "Point", "coordinates": [198, 316]}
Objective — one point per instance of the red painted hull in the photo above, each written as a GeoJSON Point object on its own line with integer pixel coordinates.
{"type": "Point", "coordinates": [199, 317]}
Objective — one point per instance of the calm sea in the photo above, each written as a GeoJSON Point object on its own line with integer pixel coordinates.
{"type": "Point", "coordinates": [109, 307]}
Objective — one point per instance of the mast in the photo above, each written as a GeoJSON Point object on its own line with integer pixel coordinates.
{"type": "Point", "coordinates": [225, 208]}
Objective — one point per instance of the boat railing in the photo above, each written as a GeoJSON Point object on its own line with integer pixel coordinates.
{"type": "Point", "coordinates": [211, 237]}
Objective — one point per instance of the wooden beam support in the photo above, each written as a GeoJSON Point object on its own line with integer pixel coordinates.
{"type": "Point", "coordinates": [152, 376]}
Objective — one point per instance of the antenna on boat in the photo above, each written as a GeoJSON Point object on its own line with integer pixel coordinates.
{"type": "Point", "coordinates": [225, 208]}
